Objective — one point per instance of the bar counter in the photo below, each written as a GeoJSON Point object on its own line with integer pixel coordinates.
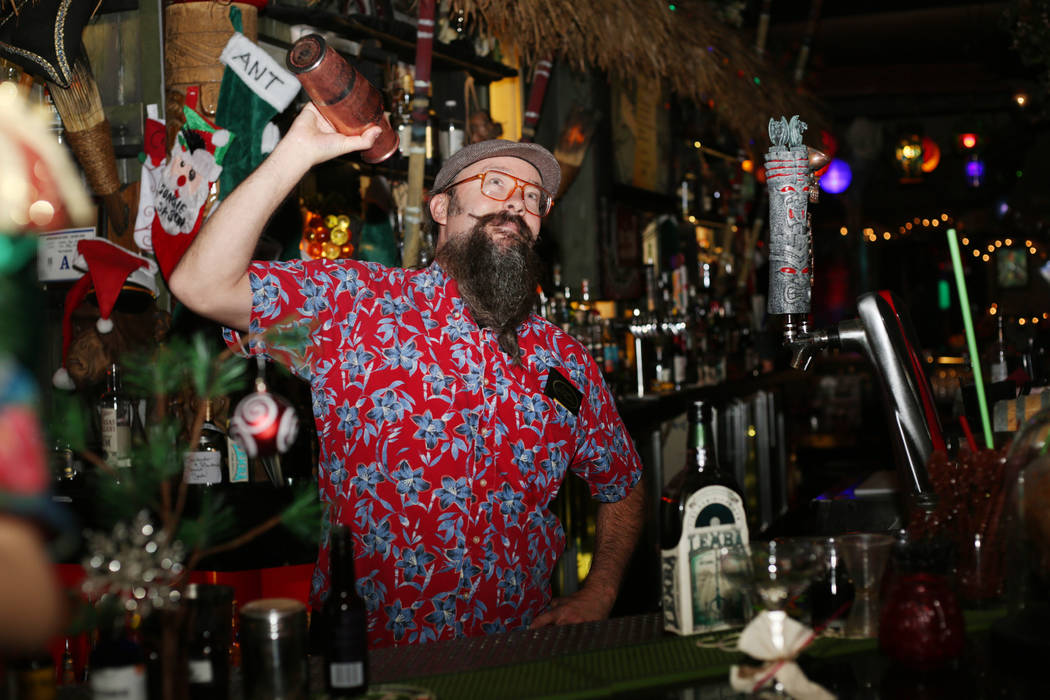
{"type": "Point", "coordinates": [632, 657]}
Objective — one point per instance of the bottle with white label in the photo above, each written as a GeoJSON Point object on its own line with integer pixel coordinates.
{"type": "Point", "coordinates": [117, 665]}
{"type": "Point", "coordinates": [205, 465]}
{"type": "Point", "coordinates": [701, 514]}
{"type": "Point", "coordinates": [114, 410]}
{"type": "Point", "coordinates": [345, 623]}
{"type": "Point", "coordinates": [208, 653]}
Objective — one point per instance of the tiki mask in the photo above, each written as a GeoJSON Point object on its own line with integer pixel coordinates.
{"type": "Point", "coordinates": [788, 180]}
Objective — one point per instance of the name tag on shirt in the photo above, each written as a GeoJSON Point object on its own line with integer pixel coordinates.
{"type": "Point", "coordinates": [561, 390]}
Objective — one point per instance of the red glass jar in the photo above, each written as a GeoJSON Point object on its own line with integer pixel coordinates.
{"type": "Point", "coordinates": [921, 625]}
{"type": "Point", "coordinates": [341, 94]}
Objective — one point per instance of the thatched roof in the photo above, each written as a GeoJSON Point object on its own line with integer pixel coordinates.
{"type": "Point", "coordinates": [701, 57]}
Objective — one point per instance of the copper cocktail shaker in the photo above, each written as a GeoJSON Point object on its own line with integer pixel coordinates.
{"type": "Point", "coordinates": [341, 94]}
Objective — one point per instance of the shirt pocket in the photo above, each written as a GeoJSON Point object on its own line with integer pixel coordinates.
{"type": "Point", "coordinates": [549, 430]}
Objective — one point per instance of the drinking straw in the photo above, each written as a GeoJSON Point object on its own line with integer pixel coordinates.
{"type": "Point", "coordinates": [971, 343]}
{"type": "Point", "coordinates": [970, 440]}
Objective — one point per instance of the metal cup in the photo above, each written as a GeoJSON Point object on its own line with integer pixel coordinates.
{"type": "Point", "coordinates": [273, 650]}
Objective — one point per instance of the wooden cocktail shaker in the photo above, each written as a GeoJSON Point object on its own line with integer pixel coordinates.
{"type": "Point", "coordinates": [341, 94]}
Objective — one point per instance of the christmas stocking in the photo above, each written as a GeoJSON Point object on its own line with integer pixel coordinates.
{"type": "Point", "coordinates": [184, 184]}
{"type": "Point", "coordinates": [254, 89]}
{"type": "Point", "coordinates": [152, 163]}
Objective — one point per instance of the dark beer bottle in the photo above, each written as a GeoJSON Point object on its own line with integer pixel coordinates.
{"type": "Point", "coordinates": [345, 623]}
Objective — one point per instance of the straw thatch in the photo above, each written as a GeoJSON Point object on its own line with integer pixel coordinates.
{"type": "Point", "coordinates": [702, 58]}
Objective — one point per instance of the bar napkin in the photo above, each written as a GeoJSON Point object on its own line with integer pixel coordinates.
{"type": "Point", "coordinates": [777, 639]}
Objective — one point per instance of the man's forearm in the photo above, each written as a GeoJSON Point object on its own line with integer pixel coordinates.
{"type": "Point", "coordinates": [617, 528]}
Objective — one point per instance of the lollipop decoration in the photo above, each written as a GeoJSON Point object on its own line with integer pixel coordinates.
{"type": "Point", "coordinates": [264, 424]}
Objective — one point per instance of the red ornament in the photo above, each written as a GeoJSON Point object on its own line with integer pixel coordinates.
{"type": "Point", "coordinates": [264, 424]}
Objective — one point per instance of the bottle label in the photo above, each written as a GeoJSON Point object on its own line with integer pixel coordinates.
{"type": "Point", "coordinates": [119, 683]}
{"type": "Point", "coordinates": [346, 675]}
{"type": "Point", "coordinates": [697, 596]}
{"type": "Point", "coordinates": [202, 467]}
{"type": "Point", "coordinates": [200, 671]}
{"type": "Point", "coordinates": [237, 459]}
{"type": "Point", "coordinates": [116, 438]}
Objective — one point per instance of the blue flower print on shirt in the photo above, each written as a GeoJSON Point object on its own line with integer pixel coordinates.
{"type": "Point", "coordinates": [399, 619]}
{"type": "Point", "coordinates": [349, 281]}
{"type": "Point", "coordinates": [315, 297]}
{"type": "Point", "coordinates": [458, 328]}
{"type": "Point", "coordinates": [437, 380]}
{"type": "Point", "coordinates": [393, 306]}
{"type": "Point", "coordinates": [378, 538]}
{"type": "Point", "coordinates": [511, 582]}
{"type": "Point", "coordinates": [367, 478]}
{"type": "Point", "coordinates": [401, 354]}
{"type": "Point", "coordinates": [387, 407]}
{"type": "Point", "coordinates": [266, 293]}
{"type": "Point", "coordinates": [531, 408]}
{"type": "Point", "coordinates": [355, 360]}
{"type": "Point", "coordinates": [414, 562]}
{"type": "Point", "coordinates": [510, 502]}
{"type": "Point", "coordinates": [497, 386]}
{"type": "Point", "coordinates": [370, 591]}
{"type": "Point", "coordinates": [410, 482]}
{"type": "Point", "coordinates": [444, 614]}
{"type": "Point", "coordinates": [453, 491]}
{"type": "Point", "coordinates": [430, 429]}
{"type": "Point", "coordinates": [348, 419]}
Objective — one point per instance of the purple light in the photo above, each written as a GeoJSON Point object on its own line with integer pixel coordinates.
{"type": "Point", "coordinates": [837, 177]}
{"type": "Point", "coordinates": [974, 171]}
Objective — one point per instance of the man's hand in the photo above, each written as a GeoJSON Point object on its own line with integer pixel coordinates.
{"type": "Point", "coordinates": [617, 527]}
{"type": "Point", "coordinates": [585, 605]}
{"type": "Point", "coordinates": [314, 138]}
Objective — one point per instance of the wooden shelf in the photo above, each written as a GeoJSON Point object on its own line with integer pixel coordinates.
{"type": "Point", "coordinates": [398, 38]}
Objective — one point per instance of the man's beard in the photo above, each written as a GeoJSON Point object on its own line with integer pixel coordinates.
{"type": "Point", "coordinates": [497, 279]}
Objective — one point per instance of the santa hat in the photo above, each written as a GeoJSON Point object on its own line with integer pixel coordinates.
{"type": "Point", "coordinates": [109, 267]}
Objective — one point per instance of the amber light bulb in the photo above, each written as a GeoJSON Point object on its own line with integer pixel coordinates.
{"type": "Point", "coordinates": [341, 94]}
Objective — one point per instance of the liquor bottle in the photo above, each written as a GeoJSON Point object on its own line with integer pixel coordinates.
{"type": "Point", "coordinates": [999, 368]}
{"type": "Point", "coordinates": [346, 628]}
{"type": "Point", "coordinates": [114, 410]}
{"type": "Point", "coordinates": [342, 94]}
{"type": "Point", "coordinates": [208, 652]}
{"type": "Point", "coordinates": [117, 664]}
{"type": "Point", "coordinates": [205, 465]}
{"type": "Point", "coordinates": [701, 513]}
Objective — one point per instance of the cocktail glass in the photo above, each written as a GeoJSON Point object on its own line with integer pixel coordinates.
{"type": "Point", "coordinates": [865, 555]}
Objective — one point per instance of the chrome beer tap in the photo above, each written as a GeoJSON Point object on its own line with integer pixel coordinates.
{"type": "Point", "coordinates": [882, 331]}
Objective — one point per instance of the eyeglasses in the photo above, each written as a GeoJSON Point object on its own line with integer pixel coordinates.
{"type": "Point", "coordinates": [500, 186]}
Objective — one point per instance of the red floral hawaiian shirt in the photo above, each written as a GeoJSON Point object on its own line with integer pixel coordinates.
{"type": "Point", "coordinates": [441, 455]}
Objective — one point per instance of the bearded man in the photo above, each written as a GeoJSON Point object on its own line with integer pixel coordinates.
{"type": "Point", "coordinates": [448, 413]}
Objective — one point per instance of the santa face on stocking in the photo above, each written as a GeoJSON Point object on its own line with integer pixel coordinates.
{"type": "Point", "coordinates": [185, 183]}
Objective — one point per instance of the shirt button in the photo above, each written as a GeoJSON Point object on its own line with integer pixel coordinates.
{"type": "Point", "coordinates": [477, 539]}
{"type": "Point", "coordinates": [484, 482]}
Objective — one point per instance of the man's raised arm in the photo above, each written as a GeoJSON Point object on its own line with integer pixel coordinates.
{"type": "Point", "coordinates": [212, 277]}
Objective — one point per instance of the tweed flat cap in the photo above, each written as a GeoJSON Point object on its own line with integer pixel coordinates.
{"type": "Point", "coordinates": [538, 156]}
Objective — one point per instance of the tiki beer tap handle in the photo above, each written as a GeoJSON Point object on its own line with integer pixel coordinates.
{"type": "Point", "coordinates": [789, 180]}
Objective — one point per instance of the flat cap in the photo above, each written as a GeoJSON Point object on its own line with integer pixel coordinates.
{"type": "Point", "coordinates": [537, 155]}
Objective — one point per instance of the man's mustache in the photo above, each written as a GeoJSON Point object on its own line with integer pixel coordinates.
{"type": "Point", "coordinates": [502, 218]}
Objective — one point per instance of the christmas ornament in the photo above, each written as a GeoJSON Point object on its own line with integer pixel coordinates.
{"type": "Point", "coordinates": [264, 424]}
{"type": "Point", "coordinates": [136, 562]}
